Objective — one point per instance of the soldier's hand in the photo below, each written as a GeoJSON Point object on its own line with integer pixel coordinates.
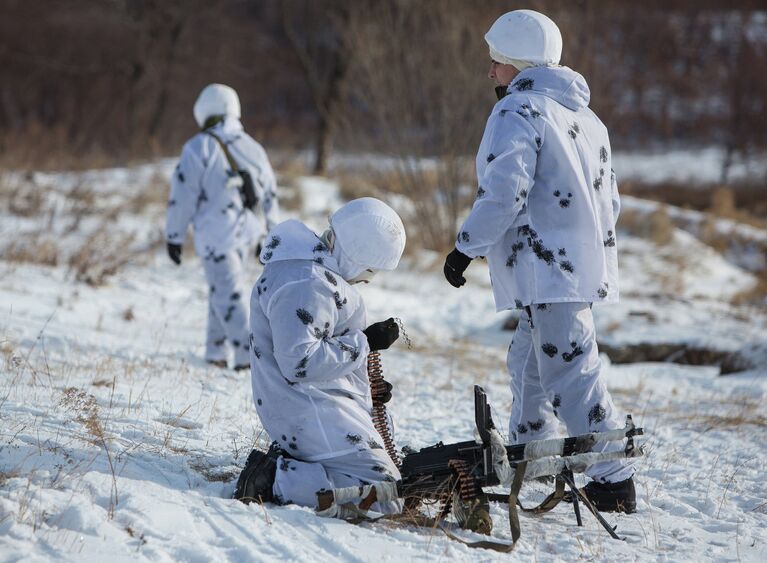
{"type": "Point", "coordinates": [381, 335]}
{"type": "Point", "coordinates": [383, 394]}
{"type": "Point", "coordinates": [455, 264]}
{"type": "Point", "coordinates": [174, 252]}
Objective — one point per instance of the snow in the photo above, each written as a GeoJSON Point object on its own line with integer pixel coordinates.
{"type": "Point", "coordinates": [118, 442]}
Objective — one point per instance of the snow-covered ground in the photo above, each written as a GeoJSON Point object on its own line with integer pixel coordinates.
{"type": "Point", "coordinates": [117, 442]}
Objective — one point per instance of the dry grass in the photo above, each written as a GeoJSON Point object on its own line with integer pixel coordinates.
{"type": "Point", "coordinates": [756, 295]}
{"type": "Point", "coordinates": [743, 201]}
{"type": "Point", "coordinates": [76, 226]}
{"type": "Point", "coordinates": [738, 412]}
{"type": "Point", "coordinates": [656, 226]}
{"type": "Point", "coordinates": [23, 199]}
{"type": "Point", "coordinates": [86, 411]}
{"type": "Point", "coordinates": [355, 185]}
{"type": "Point", "coordinates": [153, 193]}
{"type": "Point", "coordinates": [37, 248]}
{"type": "Point", "coordinates": [101, 255]}
{"type": "Point", "coordinates": [437, 195]}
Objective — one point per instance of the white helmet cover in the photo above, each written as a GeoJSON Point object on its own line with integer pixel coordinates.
{"type": "Point", "coordinates": [216, 99]}
{"type": "Point", "coordinates": [368, 235]}
{"type": "Point", "coordinates": [524, 35]}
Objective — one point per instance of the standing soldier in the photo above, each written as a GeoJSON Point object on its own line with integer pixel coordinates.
{"type": "Point", "coordinates": [544, 217]}
{"type": "Point", "coordinates": [222, 177]}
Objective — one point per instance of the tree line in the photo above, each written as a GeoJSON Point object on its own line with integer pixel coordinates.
{"type": "Point", "coordinates": [115, 80]}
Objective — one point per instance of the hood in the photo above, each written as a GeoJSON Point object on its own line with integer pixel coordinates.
{"type": "Point", "coordinates": [292, 240]}
{"type": "Point", "coordinates": [559, 83]}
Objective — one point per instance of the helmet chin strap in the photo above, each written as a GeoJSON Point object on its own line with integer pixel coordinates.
{"type": "Point", "coordinates": [350, 270]}
{"type": "Point", "coordinates": [364, 277]}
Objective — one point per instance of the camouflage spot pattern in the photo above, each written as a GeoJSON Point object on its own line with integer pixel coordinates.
{"type": "Point", "coordinates": [331, 278]}
{"type": "Point", "coordinates": [305, 316]}
{"type": "Point", "coordinates": [597, 414]}
{"type": "Point", "coordinates": [536, 425]}
{"type": "Point", "coordinates": [524, 84]}
{"type": "Point", "coordinates": [574, 353]}
{"type": "Point", "coordinates": [549, 349]}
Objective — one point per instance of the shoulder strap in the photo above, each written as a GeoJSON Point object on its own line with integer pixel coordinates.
{"type": "Point", "coordinates": [229, 158]}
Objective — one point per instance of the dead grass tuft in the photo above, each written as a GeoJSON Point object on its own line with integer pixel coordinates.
{"type": "Point", "coordinates": [85, 410]}
{"type": "Point", "coordinates": [104, 253]}
{"type": "Point", "coordinates": [743, 201]}
{"type": "Point", "coordinates": [25, 199]}
{"type": "Point", "coordinates": [153, 193]}
{"type": "Point", "coordinates": [353, 186]}
{"type": "Point", "coordinates": [36, 248]}
{"type": "Point", "coordinates": [755, 295]}
{"type": "Point", "coordinates": [437, 195]}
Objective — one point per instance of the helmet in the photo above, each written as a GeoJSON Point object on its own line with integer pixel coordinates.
{"type": "Point", "coordinates": [216, 99]}
{"type": "Point", "coordinates": [368, 235]}
{"type": "Point", "coordinates": [525, 35]}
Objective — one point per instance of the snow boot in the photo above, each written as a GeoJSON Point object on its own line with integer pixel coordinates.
{"type": "Point", "coordinates": [257, 477]}
{"type": "Point", "coordinates": [612, 497]}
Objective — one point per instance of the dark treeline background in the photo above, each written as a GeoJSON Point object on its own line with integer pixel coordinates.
{"type": "Point", "coordinates": [89, 82]}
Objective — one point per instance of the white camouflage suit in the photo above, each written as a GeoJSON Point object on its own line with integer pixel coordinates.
{"type": "Point", "coordinates": [224, 231]}
{"type": "Point", "coordinates": [309, 371]}
{"type": "Point", "coordinates": [544, 217]}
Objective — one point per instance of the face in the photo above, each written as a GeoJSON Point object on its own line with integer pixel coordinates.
{"type": "Point", "coordinates": [502, 74]}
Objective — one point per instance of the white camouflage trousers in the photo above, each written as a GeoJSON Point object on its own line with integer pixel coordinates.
{"type": "Point", "coordinates": [297, 482]}
{"type": "Point", "coordinates": [554, 366]}
{"type": "Point", "coordinates": [227, 307]}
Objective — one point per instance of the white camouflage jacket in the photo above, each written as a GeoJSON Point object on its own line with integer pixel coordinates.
{"type": "Point", "coordinates": [547, 201]}
{"type": "Point", "coordinates": [199, 192]}
{"type": "Point", "coordinates": [308, 351]}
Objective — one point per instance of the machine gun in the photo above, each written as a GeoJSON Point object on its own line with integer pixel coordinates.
{"type": "Point", "coordinates": [466, 468]}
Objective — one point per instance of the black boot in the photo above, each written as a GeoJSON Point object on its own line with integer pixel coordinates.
{"type": "Point", "coordinates": [257, 477]}
{"type": "Point", "coordinates": [612, 497]}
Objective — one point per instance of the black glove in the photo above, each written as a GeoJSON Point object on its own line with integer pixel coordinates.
{"type": "Point", "coordinates": [174, 251]}
{"type": "Point", "coordinates": [455, 264]}
{"type": "Point", "coordinates": [383, 395]}
{"type": "Point", "coordinates": [382, 335]}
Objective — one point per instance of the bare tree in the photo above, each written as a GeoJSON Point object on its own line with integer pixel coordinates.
{"type": "Point", "coordinates": [317, 32]}
{"type": "Point", "coordinates": [423, 98]}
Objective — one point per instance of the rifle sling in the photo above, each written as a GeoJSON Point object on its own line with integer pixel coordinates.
{"type": "Point", "coordinates": [433, 523]}
{"type": "Point", "coordinates": [227, 154]}
{"type": "Point", "coordinates": [548, 503]}
{"type": "Point", "coordinates": [516, 485]}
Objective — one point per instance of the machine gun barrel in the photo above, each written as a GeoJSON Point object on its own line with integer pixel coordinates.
{"type": "Point", "coordinates": [430, 465]}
